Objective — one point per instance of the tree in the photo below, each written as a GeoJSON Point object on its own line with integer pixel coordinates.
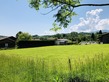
{"type": "Point", "coordinates": [20, 32]}
{"type": "Point", "coordinates": [24, 37]}
{"type": "Point", "coordinates": [65, 9]}
{"type": "Point", "coordinates": [100, 32]}
{"type": "Point", "coordinates": [92, 36]}
{"type": "Point", "coordinates": [55, 28]}
{"type": "Point", "coordinates": [35, 37]}
{"type": "Point", "coordinates": [58, 36]}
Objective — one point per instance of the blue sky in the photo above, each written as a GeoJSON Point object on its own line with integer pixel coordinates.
{"type": "Point", "coordinates": [16, 15]}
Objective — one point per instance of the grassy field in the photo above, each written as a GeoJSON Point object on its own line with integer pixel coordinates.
{"type": "Point", "coordinates": [59, 51]}
{"type": "Point", "coordinates": [83, 63]}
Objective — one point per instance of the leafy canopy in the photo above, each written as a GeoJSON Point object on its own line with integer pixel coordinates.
{"type": "Point", "coordinates": [65, 9]}
{"type": "Point", "coordinates": [23, 36]}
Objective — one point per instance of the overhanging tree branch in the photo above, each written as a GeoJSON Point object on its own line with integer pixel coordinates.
{"type": "Point", "coordinates": [70, 4]}
{"type": "Point", "coordinates": [65, 9]}
{"type": "Point", "coordinates": [107, 4]}
{"type": "Point", "coordinates": [52, 10]}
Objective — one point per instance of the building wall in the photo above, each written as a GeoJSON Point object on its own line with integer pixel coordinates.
{"type": "Point", "coordinates": [7, 43]}
{"type": "Point", "coordinates": [105, 38]}
{"type": "Point", "coordinates": [61, 42]}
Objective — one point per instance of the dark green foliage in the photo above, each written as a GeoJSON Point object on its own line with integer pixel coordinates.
{"type": "Point", "coordinates": [75, 37]}
{"type": "Point", "coordinates": [100, 32]}
{"type": "Point", "coordinates": [64, 7]}
{"type": "Point", "coordinates": [55, 27]}
{"type": "Point", "coordinates": [17, 35]}
{"type": "Point", "coordinates": [93, 37]}
{"type": "Point", "coordinates": [28, 44]}
{"type": "Point", "coordinates": [35, 37]}
{"type": "Point", "coordinates": [22, 36]}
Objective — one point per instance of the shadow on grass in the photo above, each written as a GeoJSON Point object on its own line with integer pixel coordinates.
{"type": "Point", "coordinates": [77, 79]}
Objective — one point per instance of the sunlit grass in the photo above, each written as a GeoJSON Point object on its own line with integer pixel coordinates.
{"type": "Point", "coordinates": [51, 64]}
{"type": "Point", "coordinates": [59, 51]}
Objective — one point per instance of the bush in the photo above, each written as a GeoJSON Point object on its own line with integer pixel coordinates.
{"type": "Point", "coordinates": [27, 44]}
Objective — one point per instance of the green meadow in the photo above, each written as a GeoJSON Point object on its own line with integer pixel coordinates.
{"type": "Point", "coordinates": [69, 63]}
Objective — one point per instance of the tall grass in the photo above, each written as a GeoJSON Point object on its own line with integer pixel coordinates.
{"type": "Point", "coordinates": [94, 69]}
{"type": "Point", "coordinates": [86, 69]}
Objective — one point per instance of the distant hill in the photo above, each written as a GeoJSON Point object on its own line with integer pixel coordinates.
{"type": "Point", "coordinates": [1, 36]}
{"type": "Point", "coordinates": [105, 30]}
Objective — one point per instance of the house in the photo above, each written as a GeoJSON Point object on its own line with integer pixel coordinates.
{"type": "Point", "coordinates": [7, 42]}
{"type": "Point", "coordinates": [61, 41]}
{"type": "Point", "coordinates": [104, 38]}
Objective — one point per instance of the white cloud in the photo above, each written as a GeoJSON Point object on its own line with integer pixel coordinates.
{"type": "Point", "coordinates": [91, 22]}
{"type": "Point", "coordinates": [103, 24]}
{"type": "Point", "coordinates": [94, 12]}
